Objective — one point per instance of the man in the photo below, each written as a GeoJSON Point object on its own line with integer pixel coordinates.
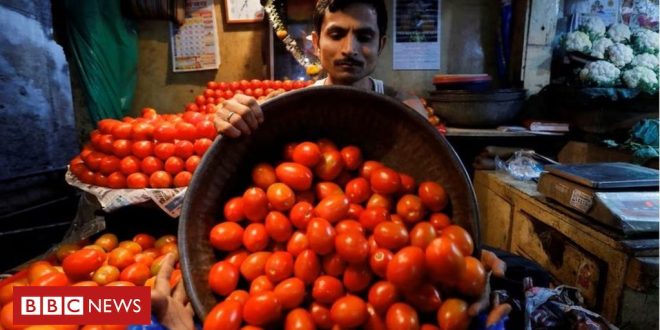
{"type": "Point", "coordinates": [348, 38]}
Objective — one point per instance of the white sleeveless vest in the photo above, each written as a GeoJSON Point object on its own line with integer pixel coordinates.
{"type": "Point", "coordinates": [379, 87]}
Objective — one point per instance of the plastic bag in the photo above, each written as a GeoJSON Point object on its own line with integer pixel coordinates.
{"type": "Point", "coordinates": [105, 50]}
{"type": "Point", "coordinates": [522, 165]}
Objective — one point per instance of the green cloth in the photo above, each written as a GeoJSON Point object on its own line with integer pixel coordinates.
{"type": "Point", "coordinates": [643, 141]}
{"type": "Point", "coordinates": [105, 50]}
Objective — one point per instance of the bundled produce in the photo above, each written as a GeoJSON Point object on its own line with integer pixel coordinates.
{"type": "Point", "coordinates": [623, 58]}
{"type": "Point", "coordinates": [105, 262]}
{"type": "Point", "coordinates": [325, 239]}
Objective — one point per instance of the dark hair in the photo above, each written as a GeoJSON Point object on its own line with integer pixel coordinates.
{"type": "Point", "coordinates": [335, 5]}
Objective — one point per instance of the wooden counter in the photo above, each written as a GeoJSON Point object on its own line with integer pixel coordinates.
{"type": "Point", "coordinates": [617, 276]}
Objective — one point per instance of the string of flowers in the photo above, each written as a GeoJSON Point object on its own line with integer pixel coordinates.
{"type": "Point", "coordinates": [312, 67]}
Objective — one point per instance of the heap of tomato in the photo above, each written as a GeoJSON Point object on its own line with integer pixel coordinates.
{"type": "Point", "coordinates": [327, 240]}
{"type": "Point", "coordinates": [106, 262]}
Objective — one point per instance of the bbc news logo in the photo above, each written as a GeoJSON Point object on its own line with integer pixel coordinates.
{"type": "Point", "coordinates": [81, 305]}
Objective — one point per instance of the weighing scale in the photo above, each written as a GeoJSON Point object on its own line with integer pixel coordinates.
{"type": "Point", "coordinates": [621, 196]}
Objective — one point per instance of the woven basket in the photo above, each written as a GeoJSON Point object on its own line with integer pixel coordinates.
{"type": "Point", "coordinates": [385, 130]}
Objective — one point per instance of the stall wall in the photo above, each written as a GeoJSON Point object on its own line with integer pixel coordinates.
{"type": "Point", "coordinates": [468, 46]}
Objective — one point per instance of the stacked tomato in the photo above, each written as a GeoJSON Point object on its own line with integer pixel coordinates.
{"type": "Point", "coordinates": [327, 240]}
{"type": "Point", "coordinates": [216, 92]}
{"type": "Point", "coordinates": [106, 262]}
{"type": "Point", "coordinates": [152, 151]}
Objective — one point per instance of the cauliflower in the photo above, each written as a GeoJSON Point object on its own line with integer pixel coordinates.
{"type": "Point", "coordinates": [646, 60]}
{"type": "Point", "coordinates": [641, 78]}
{"type": "Point", "coordinates": [594, 27]}
{"type": "Point", "coordinates": [619, 54]}
{"type": "Point", "coordinates": [619, 32]}
{"type": "Point", "coordinates": [600, 73]}
{"type": "Point", "coordinates": [577, 41]}
{"type": "Point", "coordinates": [645, 41]}
{"type": "Point", "coordinates": [600, 46]}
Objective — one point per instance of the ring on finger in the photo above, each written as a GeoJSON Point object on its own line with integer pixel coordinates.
{"type": "Point", "coordinates": [229, 116]}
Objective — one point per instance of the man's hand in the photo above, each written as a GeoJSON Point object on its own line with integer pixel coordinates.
{"type": "Point", "coordinates": [241, 114]}
{"type": "Point", "coordinates": [172, 309]}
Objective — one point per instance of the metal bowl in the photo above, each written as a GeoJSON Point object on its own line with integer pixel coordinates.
{"type": "Point", "coordinates": [477, 109]}
{"type": "Point", "coordinates": [385, 130]}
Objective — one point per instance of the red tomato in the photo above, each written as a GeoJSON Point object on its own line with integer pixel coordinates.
{"type": "Point", "coordinates": [165, 132]}
{"type": "Point", "coordinates": [109, 164]}
{"type": "Point", "coordinates": [300, 215]}
{"type": "Point", "coordinates": [307, 266]}
{"type": "Point", "coordinates": [278, 226]}
{"type": "Point", "coordinates": [348, 226]}
{"type": "Point", "coordinates": [225, 315]}
{"type": "Point", "coordinates": [279, 266]}
{"type": "Point", "coordinates": [137, 181]}
{"type": "Point", "coordinates": [188, 132]}
{"type": "Point", "coordinates": [182, 179]}
{"type": "Point", "coordinates": [253, 266]}
{"type": "Point", "coordinates": [425, 298]}
{"type": "Point", "coordinates": [82, 263]}
{"type": "Point", "coordinates": [357, 277]}
{"type": "Point", "coordinates": [391, 235]}
{"type": "Point", "coordinates": [460, 237]}
{"type": "Point", "coordinates": [440, 221]}
{"type": "Point", "coordinates": [294, 175]}
{"type": "Point", "coordinates": [352, 247]}
{"type": "Point", "coordinates": [255, 204]}
{"type": "Point", "coordinates": [107, 241]}
{"type": "Point", "coordinates": [116, 180]}
{"type": "Point", "coordinates": [402, 316]}
{"type": "Point", "coordinates": [142, 149]}
{"type": "Point", "coordinates": [237, 257]}
{"type": "Point", "coordinates": [290, 292]}
{"type": "Point", "coordinates": [406, 269]}
{"type": "Point", "coordinates": [233, 210]}
{"type": "Point", "coordinates": [333, 265]}
{"type": "Point", "coordinates": [410, 208]}
{"type": "Point", "coordinates": [136, 273]}
{"type": "Point", "coordinates": [151, 165]}
{"type": "Point", "coordinates": [368, 167]}
{"type": "Point", "coordinates": [287, 153]}
{"type": "Point", "coordinates": [174, 165]}
{"type": "Point", "coordinates": [164, 150]}
{"type": "Point", "coordinates": [106, 274]}
{"type": "Point", "coordinates": [121, 258]}
{"type": "Point", "coordinates": [358, 190]}
{"type": "Point", "coordinates": [330, 165]}
{"type": "Point", "coordinates": [297, 243]}
{"type": "Point", "coordinates": [444, 260]}
{"type": "Point", "coordinates": [262, 309]}
{"type": "Point", "coordinates": [321, 236]}
{"type": "Point", "coordinates": [327, 289]}
{"type": "Point", "coordinates": [145, 240]}
{"type": "Point", "coordinates": [349, 311]}
{"type": "Point", "coordinates": [7, 318]}
{"type": "Point", "coordinates": [422, 234]}
{"type": "Point", "coordinates": [352, 157]}
{"type": "Point", "coordinates": [121, 148]}
{"type": "Point", "coordinates": [453, 315]}
{"type": "Point", "coordinates": [385, 180]}
{"type": "Point", "coordinates": [160, 179]}
{"type": "Point", "coordinates": [472, 281]}
{"type": "Point", "coordinates": [433, 195]}
{"type": "Point", "coordinates": [263, 175]}
{"type": "Point", "coordinates": [142, 131]}
{"type": "Point", "coordinates": [240, 296]}
{"type": "Point", "coordinates": [371, 217]}
{"type": "Point", "coordinates": [227, 236]}
{"type": "Point", "coordinates": [332, 208]}
{"type": "Point", "coordinates": [382, 295]}
{"type": "Point", "coordinates": [183, 149]}
{"type": "Point", "coordinates": [320, 315]}
{"type": "Point", "coordinates": [255, 237]}
{"type": "Point", "coordinates": [299, 319]}
{"type": "Point", "coordinates": [379, 261]}
{"type": "Point", "coordinates": [378, 200]}
{"type": "Point", "coordinates": [129, 165]}
{"type": "Point", "coordinates": [201, 145]}
{"type": "Point", "coordinates": [191, 163]}
{"type": "Point", "coordinates": [280, 196]}
{"type": "Point", "coordinates": [51, 279]}
{"type": "Point", "coordinates": [325, 189]}
{"type": "Point", "coordinates": [261, 284]}
{"type": "Point", "coordinates": [105, 144]}
{"type": "Point", "coordinates": [307, 153]}
{"type": "Point", "coordinates": [100, 180]}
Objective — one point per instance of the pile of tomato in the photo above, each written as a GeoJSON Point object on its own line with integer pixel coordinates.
{"type": "Point", "coordinates": [326, 240]}
{"type": "Point", "coordinates": [152, 151]}
{"type": "Point", "coordinates": [105, 262]}
{"type": "Point", "coordinates": [217, 92]}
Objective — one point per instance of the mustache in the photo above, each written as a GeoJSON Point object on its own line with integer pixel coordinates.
{"type": "Point", "coordinates": [348, 61]}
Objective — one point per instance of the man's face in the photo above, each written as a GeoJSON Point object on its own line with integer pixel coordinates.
{"type": "Point", "coordinates": [349, 43]}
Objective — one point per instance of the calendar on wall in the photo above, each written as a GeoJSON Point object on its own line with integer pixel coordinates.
{"type": "Point", "coordinates": [195, 43]}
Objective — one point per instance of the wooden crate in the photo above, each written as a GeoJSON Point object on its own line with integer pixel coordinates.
{"type": "Point", "coordinates": [608, 269]}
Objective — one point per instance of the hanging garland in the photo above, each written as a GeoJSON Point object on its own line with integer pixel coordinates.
{"type": "Point", "coordinates": [312, 66]}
